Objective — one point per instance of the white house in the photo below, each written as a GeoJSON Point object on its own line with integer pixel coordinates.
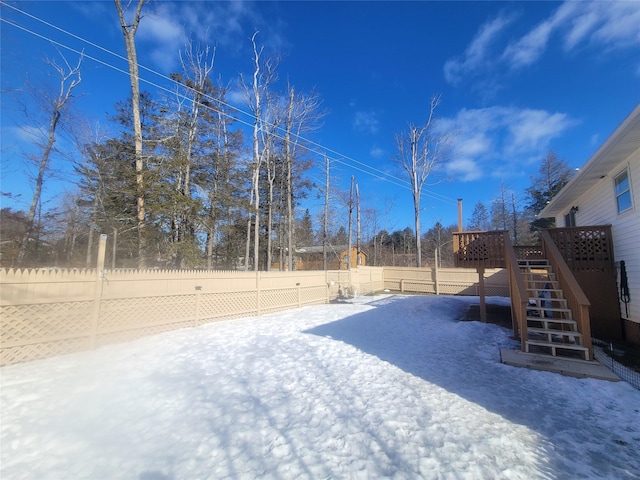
{"type": "Point", "coordinates": [606, 191]}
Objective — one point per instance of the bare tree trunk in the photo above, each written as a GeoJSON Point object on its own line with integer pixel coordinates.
{"type": "Point", "coordinates": [350, 222]}
{"type": "Point", "coordinates": [289, 162]}
{"type": "Point", "coordinates": [129, 32]}
{"type": "Point", "coordinates": [271, 177]}
{"type": "Point", "coordinates": [418, 239]}
{"type": "Point", "coordinates": [358, 262]}
{"type": "Point", "coordinates": [247, 249]}
{"type": "Point", "coordinates": [255, 179]}
{"type": "Point", "coordinates": [71, 74]}
{"type": "Point", "coordinates": [325, 226]}
{"type": "Point", "coordinates": [92, 227]}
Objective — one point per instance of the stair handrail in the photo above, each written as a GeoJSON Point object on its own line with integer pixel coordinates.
{"type": "Point", "coordinates": [517, 292]}
{"type": "Point", "coordinates": [577, 301]}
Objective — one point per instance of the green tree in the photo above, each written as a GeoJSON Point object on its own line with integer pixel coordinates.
{"type": "Point", "coordinates": [340, 238]}
{"type": "Point", "coordinates": [553, 174]}
{"type": "Point", "coordinates": [304, 232]}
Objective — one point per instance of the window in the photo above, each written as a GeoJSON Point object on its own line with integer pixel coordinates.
{"type": "Point", "coordinates": [570, 219]}
{"type": "Point", "coordinates": [623, 192]}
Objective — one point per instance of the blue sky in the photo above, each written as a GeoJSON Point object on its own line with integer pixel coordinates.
{"type": "Point", "coordinates": [516, 79]}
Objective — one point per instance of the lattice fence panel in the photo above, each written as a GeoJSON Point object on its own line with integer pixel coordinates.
{"type": "Point", "coordinates": [26, 353]}
{"type": "Point", "coordinates": [392, 283]}
{"type": "Point", "coordinates": [496, 290]}
{"type": "Point", "coordinates": [275, 300]}
{"type": "Point", "coordinates": [313, 295]}
{"type": "Point", "coordinates": [131, 313]}
{"type": "Point", "coordinates": [227, 305]}
{"type": "Point", "coordinates": [21, 323]}
{"type": "Point", "coordinates": [135, 333]}
{"type": "Point", "coordinates": [457, 289]}
{"type": "Point", "coordinates": [419, 287]}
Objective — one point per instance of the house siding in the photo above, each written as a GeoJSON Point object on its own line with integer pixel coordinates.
{"type": "Point", "coordinates": [598, 207]}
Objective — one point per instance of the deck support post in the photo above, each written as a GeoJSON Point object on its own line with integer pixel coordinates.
{"type": "Point", "coordinates": [481, 292]}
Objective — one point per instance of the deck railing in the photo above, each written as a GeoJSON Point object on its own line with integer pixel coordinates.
{"type": "Point", "coordinates": [479, 249]}
{"type": "Point", "coordinates": [584, 248]}
{"type": "Point", "coordinates": [576, 299]}
{"type": "Point", "coordinates": [528, 252]}
{"type": "Point", "coordinates": [518, 293]}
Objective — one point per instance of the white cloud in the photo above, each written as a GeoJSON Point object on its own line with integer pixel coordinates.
{"type": "Point", "coordinates": [612, 25]}
{"type": "Point", "coordinates": [165, 28]}
{"type": "Point", "coordinates": [163, 35]}
{"type": "Point", "coordinates": [366, 122]}
{"type": "Point", "coordinates": [531, 128]}
{"type": "Point", "coordinates": [28, 134]}
{"type": "Point", "coordinates": [236, 96]}
{"type": "Point", "coordinates": [464, 169]}
{"type": "Point", "coordinates": [530, 47]}
{"type": "Point", "coordinates": [476, 54]}
{"type": "Point", "coordinates": [377, 152]}
{"type": "Point", "coordinates": [501, 139]}
{"type": "Point", "coordinates": [602, 25]}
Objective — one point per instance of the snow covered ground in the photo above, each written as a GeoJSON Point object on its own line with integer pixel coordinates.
{"type": "Point", "coordinates": [386, 386]}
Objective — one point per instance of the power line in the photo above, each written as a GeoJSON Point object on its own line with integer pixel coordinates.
{"type": "Point", "coordinates": [318, 148]}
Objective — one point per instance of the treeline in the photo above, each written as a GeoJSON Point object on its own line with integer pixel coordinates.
{"type": "Point", "coordinates": [199, 194]}
{"type": "Point", "coordinates": [67, 239]}
{"type": "Point", "coordinates": [181, 181]}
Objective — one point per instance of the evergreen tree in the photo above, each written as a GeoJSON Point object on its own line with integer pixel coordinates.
{"type": "Point", "coordinates": [304, 232]}
{"type": "Point", "coordinates": [340, 238]}
{"type": "Point", "coordinates": [553, 174]}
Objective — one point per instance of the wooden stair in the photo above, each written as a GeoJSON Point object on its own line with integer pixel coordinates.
{"type": "Point", "coordinates": [551, 328]}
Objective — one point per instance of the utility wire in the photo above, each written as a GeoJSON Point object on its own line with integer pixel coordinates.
{"type": "Point", "coordinates": [319, 149]}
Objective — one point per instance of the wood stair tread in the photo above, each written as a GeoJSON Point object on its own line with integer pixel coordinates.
{"type": "Point", "coordinates": [567, 346]}
{"type": "Point", "coordinates": [553, 331]}
{"type": "Point", "coordinates": [546, 299]}
{"type": "Point", "coordinates": [552, 320]}
{"type": "Point", "coordinates": [548, 309]}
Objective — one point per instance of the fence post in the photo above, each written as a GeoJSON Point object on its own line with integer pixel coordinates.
{"type": "Point", "coordinates": [97, 293]}
{"type": "Point", "coordinates": [437, 282]}
{"type": "Point", "coordinates": [196, 320]}
{"type": "Point", "coordinates": [299, 295]}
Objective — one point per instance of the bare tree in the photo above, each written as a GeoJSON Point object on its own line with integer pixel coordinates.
{"type": "Point", "coordinates": [256, 93]}
{"type": "Point", "coordinates": [129, 31]}
{"type": "Point", "coordinates": [500, 217]}
{"type": "Point", "coordinates": [325, 219]}
{"type": "Point", "coordinates": [302, 116]}
{"type": "Point", "coordinates": [70, 78]}
{"type": "Point", "coordinates": [271, 162]}
{"type": "Point", "coordinates": [420, 151]}
{"type": "Point", "coordinates": [350, 224]}
{"type": "Point", "coordinates": [479, 218]}
{"type": "Point", "coordinates": [357, 226]}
